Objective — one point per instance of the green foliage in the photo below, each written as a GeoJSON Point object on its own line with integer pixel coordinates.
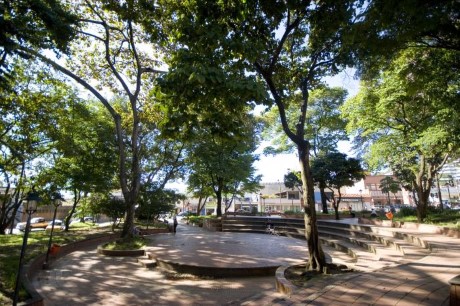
{"type": "Point", "coordinates": [134, 243]}
{"type": "Point", "coordinates": [293, 212]}
{"type": "Point", "coordinates": [325, 128]}
{"type": "Point", "coordinates": [391, 25]}
{"type": "Point", "coordinates": [407, 118]}
{"type": "Point", "coordinates": [406, 212]}
{"type": "Point", "coordinates": [154, 201]}
{"type": "Point", "coordinates": [37, 23]}
{"type": "Point", "coordinates": [293, 180]}
{"type": "Point", "coordinates": [336, 170]}
{"type": "Point", "coordinates": [435, 216]}
{"type": "Point", "coordinates": [113, 207]}
{"type": "Point", "coordinates": [389, 184]}
{"type": "Point", "coordinates": [197, 220]}
{"type": "Point", "coordinates": [222, 164]}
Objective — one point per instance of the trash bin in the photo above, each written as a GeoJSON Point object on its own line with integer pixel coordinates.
{"type": "Point", "coordinates": [54, 250]}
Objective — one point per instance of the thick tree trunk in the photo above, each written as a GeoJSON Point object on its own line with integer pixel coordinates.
{"type": "Point", "coordinates": [130, 185]}
{"type": "Point", "coordinates": [422, 204]}
{"type": "Point", "coordinates": [317, 260]}
{"type": "Point", "coordinates": [219, 197]}
{"type": "Point", "coordinates": [422, 188]}
{"type": "Point", "coordinates": [336, 211]}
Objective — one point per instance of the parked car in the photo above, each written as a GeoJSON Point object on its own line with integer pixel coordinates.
{"type": "Point", "coordinates": [242, 211]}
{"type": "Point", "coordinates": [37, 222]}
{"type": "Point", "coordinates": [58, 225]}
{"type": "Point", "coordinates": [183, 215]}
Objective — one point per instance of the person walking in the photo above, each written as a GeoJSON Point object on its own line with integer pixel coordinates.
{"type": "Point", "coordinates": [175, 223]}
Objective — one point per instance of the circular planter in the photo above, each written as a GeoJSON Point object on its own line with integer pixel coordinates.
{"type": "Point", "coordinates": [134, 253]}
{"type": "Point", "coordinates": [282, 284]}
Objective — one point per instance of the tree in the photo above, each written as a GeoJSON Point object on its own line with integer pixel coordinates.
{"type": "Point", "coordinates": [335, 170]}
{"type": "Point", "coordinates": [37, 23]}
{"type": "Point", "coordinates": [388, 26]}
{"type": "Point", "coordinates": [83, 154]}
{"type": "Point", "coordinates": [389, 184]}
{"type": "Point", "coordinates": [224, 164]}
{"type": "Point", "coordinates": [108, 61]}
{"type": "Point", "coordinates": [292, 180]}
{"type": "Point", "coordinates": [27, 108]}
{"type": "Point", "coordinates": [155, 201]}
{"type": "Point", "coordinates": [113, 207]}
{"type": "Point", "coordinates": [407, 119]}
{"type": "Point", "coordinates": [325, 126]}
{"type": "Point", "coordinates": [282, 47]}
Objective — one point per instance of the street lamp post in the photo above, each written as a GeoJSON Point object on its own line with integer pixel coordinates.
{"type": "Point", "coordinates": [56, 199]}
{"type": "Point", "coordinates": [361, 197]}
{"type": "Point", "coordinates": [30, 208]}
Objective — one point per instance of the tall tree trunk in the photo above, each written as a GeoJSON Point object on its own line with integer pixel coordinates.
{"type": "Point", "coordinates": [76, 200]}
{"type": "Point", "coordinates": [317, 260]}
{"type": "Point", "coordinates": [336, 209]}
{"type": "Point", "coordinates": [218, 192]}
{"type": "Point", "coordinates": [422, 188]}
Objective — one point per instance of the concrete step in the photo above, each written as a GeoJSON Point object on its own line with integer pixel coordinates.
{"type": "Point", "coordinates": [405, 243]}
{"type": "Point", "coordinates": [147, 262]}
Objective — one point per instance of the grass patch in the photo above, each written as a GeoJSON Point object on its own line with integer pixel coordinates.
{"type": "Point", "coordinates": [143, 224]}
{"type": "Point", "coordinates": [447, 217]}
{"type": "Point", "coordinates": [83, 225]}
{"type": "Point", "coordinates": [135, 243]}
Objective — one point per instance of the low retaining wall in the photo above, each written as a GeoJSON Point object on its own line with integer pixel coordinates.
{"type": "Point", "coordinates": [214, 225]}
{"type": "Point", "coordinates": [152, 231]}
{"type": "Point", "coordinates": [282, 284]}
{"type": "Point", "coordinates": [126, 253]}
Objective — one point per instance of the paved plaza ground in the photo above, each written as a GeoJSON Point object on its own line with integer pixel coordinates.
{"type": "Point", "coordinates": [87, 278]}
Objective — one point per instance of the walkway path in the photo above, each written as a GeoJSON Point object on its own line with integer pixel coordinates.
{"type": "Point", "coordinates": [86, 278]}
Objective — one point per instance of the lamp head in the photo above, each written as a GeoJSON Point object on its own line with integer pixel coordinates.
{"type": "Point", "coordinates": [56, 199]}
{"type": "Point", "coordinates": [32, 200]}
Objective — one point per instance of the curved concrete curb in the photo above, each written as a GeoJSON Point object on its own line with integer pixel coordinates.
{"type": "Point", "coordinates": [214, 271]}
{"type": "Point", "coordinates": [133, 253]}
{"type": "Point", "coordinates": [282, 284]}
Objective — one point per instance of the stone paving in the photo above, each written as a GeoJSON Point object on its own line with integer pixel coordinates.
{"type": "Point", "coordinates": [86, 278]}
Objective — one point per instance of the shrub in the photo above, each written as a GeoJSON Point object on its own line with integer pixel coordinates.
{"type": "Point", "coordinates": [406, 212]}
{"type": "Point", "coordinates": [293, 213]}
{"type": "Point", "coordinates": [198, 220]}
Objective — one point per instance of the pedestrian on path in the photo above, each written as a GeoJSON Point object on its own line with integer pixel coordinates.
{"type": "Point", "coordinates": [175, 223]}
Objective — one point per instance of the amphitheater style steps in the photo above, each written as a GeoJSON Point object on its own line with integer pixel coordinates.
{"type": "Point", "coordinates": [362, 247]}
{"type": "Point", "coordinates": [377, 239]}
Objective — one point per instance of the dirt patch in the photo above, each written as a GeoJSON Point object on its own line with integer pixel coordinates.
{"type": "Point", "coordinates": [299, 276]}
